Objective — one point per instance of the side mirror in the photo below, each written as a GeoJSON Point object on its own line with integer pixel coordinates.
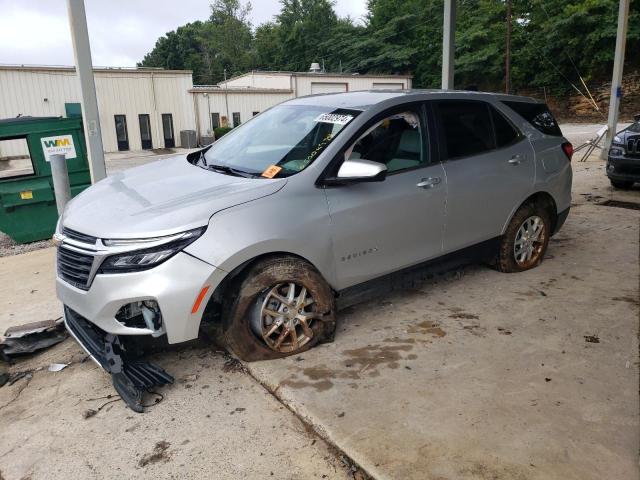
{"type": "Point", "coordinates": [357, 171]}
{"type": "Point", "coordinates": [636, 117]}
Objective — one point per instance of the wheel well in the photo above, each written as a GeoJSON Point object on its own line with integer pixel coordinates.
{"type": "Point", "coordinates": [546, 201]}
{"type": "Point", "coordinates": [214, 308]}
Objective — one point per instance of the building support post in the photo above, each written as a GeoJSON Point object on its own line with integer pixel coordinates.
{"type": "Point", "coordinates": [507, 59]}
{"type": "Point", "coordinates": [84, 70]}
{"type": "Point", "coordinates": [448, 44]}
{"type": "Point", "coordinates": [60, 177]}
{"type": "Point", "coordinates": [616, 80]}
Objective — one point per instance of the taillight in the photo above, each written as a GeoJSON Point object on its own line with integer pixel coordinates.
{"type": "Point", "coordinates": [567, 148]}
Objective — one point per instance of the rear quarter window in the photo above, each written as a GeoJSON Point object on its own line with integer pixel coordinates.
{"type": "Point", "coordinates": [538, 115]}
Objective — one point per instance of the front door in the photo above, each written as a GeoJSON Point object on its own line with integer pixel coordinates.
{"type": "Point", "coordinates": [490, 170]}
{"type": "Point", "coordinates": [167, 130]}
{"type": "Point", "coordinates": [145, 131]}
{"type": "Point", "coordinates": [381, 227]}
{"type": "Point", "coordinates": [122, 135]}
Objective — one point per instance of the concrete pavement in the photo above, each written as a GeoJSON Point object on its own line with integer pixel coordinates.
{"type": "Point", "coordinates": [481, 376]}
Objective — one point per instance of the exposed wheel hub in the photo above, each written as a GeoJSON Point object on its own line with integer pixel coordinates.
{"type": "Point", "coordinates": [285, 317]}
{"type": "Point", "coordinates": [529, 241]}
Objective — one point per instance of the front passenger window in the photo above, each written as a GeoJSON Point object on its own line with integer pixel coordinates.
{"type": "Point", "coordinates": [395, 141]}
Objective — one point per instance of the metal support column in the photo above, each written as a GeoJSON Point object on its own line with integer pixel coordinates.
{"type": "Point", "coordinates": [84, 70]}
{"type": "Point", "coordinates": [448, 44]}
{"type": "Point", "coordinates": [60, 177]}
{"type": "Point", "coordinates": [616, 80]}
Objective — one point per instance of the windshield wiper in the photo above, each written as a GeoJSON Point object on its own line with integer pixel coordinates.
{"type": "Point", "coordinates": [230, 171]}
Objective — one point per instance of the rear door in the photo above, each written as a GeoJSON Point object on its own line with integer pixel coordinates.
{"type": "Point", "coordinates": [490, 168]}
{"type": "Point", "coordinates": [379, 227]}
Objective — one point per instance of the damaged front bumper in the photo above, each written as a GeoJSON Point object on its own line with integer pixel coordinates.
{"type": "Point", "coordinates": [131, 376]}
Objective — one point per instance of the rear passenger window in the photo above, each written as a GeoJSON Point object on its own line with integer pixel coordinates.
{"type": "Point", "coordinates": [506, 134]}
{"type": "Point", "coordinates": [538, 115]}
{"type": "Point", "coordinates": [466, 127]}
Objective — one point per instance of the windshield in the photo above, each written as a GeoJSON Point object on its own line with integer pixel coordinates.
{"type": "Point", "coordinates": [279, 142]}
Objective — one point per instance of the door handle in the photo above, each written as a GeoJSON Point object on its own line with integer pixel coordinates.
{"type": "Point", "coordinates": [429, 182]}
{"type": "Point", "coordinates": [515, 160]}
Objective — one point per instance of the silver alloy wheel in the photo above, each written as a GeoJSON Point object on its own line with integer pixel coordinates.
{"type": "Point", "coordinates": [286, 317]}
{"type": "Point", "coordinates": [529, 241]}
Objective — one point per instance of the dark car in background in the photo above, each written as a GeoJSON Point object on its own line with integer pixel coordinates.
{"type": "Point", "coordinates": [623, 162]}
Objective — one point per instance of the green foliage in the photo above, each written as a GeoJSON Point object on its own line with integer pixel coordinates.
{"type": "Point", "coordinates": [552, 40]}
{"type": "Point", "coordinates": [220, 131]}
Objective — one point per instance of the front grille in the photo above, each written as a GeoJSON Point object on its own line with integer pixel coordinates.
{"type": "Point", "coordinates": [74, 267]}
{"type": "Point", "coordinates": [80, 237]}
{"type": "Point", "coordinates": [633, 146]}
{"type": "Point", "coordinates": [90, 336]}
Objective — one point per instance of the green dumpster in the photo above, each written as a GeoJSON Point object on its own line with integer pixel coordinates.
{"type": "Point", "coordinates": [27, 202]}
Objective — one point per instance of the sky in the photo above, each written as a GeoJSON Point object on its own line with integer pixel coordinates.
{"type": "Point", "coordinates": [121, 32]}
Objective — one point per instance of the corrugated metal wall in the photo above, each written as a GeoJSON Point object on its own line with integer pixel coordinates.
{"type": "Point", "coordinates": [244, 103]}
{"type": "Point", "coordinates": [44, 92]}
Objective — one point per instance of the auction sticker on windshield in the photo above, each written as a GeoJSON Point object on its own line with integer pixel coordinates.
{"type": "Point", "coordinates": [338, 119]}
{"type": "Point", "coordinates": [271, 171]}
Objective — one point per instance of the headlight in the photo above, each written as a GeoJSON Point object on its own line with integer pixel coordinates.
{"type": "Point", "coordinates": [618, 140]}
{"type": "Point", "coordinates": [145, 258]}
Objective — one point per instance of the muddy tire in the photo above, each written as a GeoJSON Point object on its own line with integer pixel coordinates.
{"type": "Point", "coordinates": [525, 242]}
{"type": "Point", "coordinates": [621, 185]}
{"type": "Point", "coordinates": [282, 306]}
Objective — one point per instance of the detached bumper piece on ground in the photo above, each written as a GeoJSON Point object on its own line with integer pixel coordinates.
{"type": "Point", "coordinates": [31, 337]}
{"type": "Point", "coordinates": [131, 376]}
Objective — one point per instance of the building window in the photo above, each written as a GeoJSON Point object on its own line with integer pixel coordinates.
{"type": "Point", "coordinates": [215, 121]}
{"type": "Point", "coordinates": [255, 113]}
{"type": "Point", "coordinates": [145, 131]}
{"type": "Point", "coordinates": [167, 130]}
{"type": "Point", "coordinates": [15, 158]}
{"type": "Point", "coordinates": [236, 119]}
{"type": "Point", "coordinates": [122, 135]}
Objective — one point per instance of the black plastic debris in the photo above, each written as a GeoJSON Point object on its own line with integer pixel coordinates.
{"type": "Point", "coordinates": [31, 337]}
{"type": "Point", "coordinates": [132, 377]}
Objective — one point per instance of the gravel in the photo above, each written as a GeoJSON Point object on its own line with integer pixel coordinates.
{"type": "Point", "coordinates": [8, 247]}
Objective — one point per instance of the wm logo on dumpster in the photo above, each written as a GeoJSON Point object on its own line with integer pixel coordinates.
{"type": "Point", "coordinates": [59, 142]}
{"type": "Point", "coordinates": [58, 145]}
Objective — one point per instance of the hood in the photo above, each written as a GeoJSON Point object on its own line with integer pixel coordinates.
{"type": "Point", "coordinates": [160, 198]}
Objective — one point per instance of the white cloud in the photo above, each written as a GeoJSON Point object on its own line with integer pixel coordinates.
{"type": "Point", "coordinates": [121, 32]}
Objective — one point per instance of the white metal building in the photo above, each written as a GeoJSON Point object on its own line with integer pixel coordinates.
{"type": "Point", "coordinates": [139, 108]}
{"type": "Point", "coordinates": [143, 108]}
{"type": "Point", "coordinates": [239, 98]}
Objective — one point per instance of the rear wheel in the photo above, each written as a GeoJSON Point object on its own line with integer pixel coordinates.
{"type": "Point", "coordinates": [283, 307]}
{"type": "Point", "coordinates": [620, 184]}
{"type": "Point", "coordinates": [525, 242]}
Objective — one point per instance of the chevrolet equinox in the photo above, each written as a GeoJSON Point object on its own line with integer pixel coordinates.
{"type": "Point", "coordinates": [265, 228]}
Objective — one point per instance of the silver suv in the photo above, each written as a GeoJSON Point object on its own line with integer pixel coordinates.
{"type": "Point", "coordinates": [263, 230]}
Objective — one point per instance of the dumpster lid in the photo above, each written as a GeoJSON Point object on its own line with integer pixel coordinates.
{"type": "Point", "coordinates": [25, 119]}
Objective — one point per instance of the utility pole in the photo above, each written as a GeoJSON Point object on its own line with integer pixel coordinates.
{"type": "Point", "coordinates": [226, 96]}
{"type": "Point", "coordinates": [448, 44]}
{"type": "Point", "coordinates": [84, 70]}
{"type": "Point", "coordinates": [616, 80]}
{"type": "Point", "coordinates": [507, 67]}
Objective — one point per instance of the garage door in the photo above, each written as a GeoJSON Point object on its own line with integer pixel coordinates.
{"type": "Point", "coordinates": [326, 87]}
{"type": "Point", "coordinates": [388, 86]}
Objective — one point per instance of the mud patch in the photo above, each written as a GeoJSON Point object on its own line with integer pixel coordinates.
{"type": "Point", "coordinates": [320, 378]}
{"type": "Point", "coordinates": [619, 204]}
{"type": "Point", "coordinates": [159, 454]}
{"type": "Point", "coordinates": [427, 328]}
{"type": "Point", "coordinates": [475, 329]}
{"type": "Point", "coordinates": [464, 316]}
{"type": "Point", "coordinates": [321, 386]}
{"type": "Point", "coordinates": [632, 300]}
{"type": "Point", "coordinates": [368, 359]}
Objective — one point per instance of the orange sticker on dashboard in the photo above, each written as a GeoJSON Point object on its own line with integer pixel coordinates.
{"type": "Point", "coordinates": [271, 171]}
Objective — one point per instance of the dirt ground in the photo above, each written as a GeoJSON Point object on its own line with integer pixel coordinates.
{"type": "Point", "coordinates": [477, 376]}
